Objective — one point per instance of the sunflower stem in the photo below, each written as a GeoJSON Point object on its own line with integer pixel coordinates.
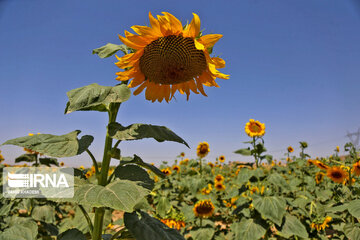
{"type": "Point", "coordinates": [102, 180]}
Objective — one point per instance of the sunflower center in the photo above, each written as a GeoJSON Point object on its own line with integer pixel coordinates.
{"type": "Point", "coordinates": [203, 149]}
{"type": "Point", "coordinates": [336, 174]}
{"type": "Point", "coordinates": [171, 60]}
{"type": "Point", "coordinates": [255, 127]}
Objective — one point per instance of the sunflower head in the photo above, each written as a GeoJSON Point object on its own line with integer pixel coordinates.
{"type": "Point", "coordinates": [320, 165]}
{"type": "Point", "coordinates": [166, 171]}
{"type": "Point", "coordinates": [202, 149]}
{"type": "Point", "coordinates": [290, 149]}
{"type": "Point", "coordinates": [169, 57]}
{"type": "Point", "coordinates": [219, 186]}
{"type": "Point", "coordinates": [62, 164]}
{"type": "Point", "coordinates": [356, 168]}
{"type": "Point", "coordinates": [337, 174]}
{"type": "Point", "coordinates": [219, 178]}
{"type": "Point", "coordinates": [222, 158]}
{"type": "Point", "coordinates": [182, 154]}
{"type": "Point", "coordinates": [176, 168]}
{"type": "Point", "coordinates": [184, 162]}
{"type": "Point", "coordinates": [204, 209]}
{"type": "Point", "coordinates": [255, 128]}
{"type": "Point", "coordinates": [319, 177]}
{"type": "Point", "coordinates": [211, 164]}
{"type": "Point", "coordinates": [88, 174]}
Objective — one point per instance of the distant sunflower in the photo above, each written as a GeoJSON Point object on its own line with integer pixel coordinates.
{"type": "Point", "coordinates": [62, 164]}
{"type": "Point", "coordinates": [337, 174]}
{"type": "Point", "coordinates": [222, 158]}
{"type": "Point", "coordinates": [219, 178]}
{"type": "Point", "coordinates": [176, 168]}
{"type": "Point", "coordinates": [166, 171]}
{"type": "Point", "coordinates": [356, 168]}
{"type": "Point", "coordinates": [219, 186]}
{"type": "Point", "coordinates": [319, 177]}
{"type": "Point", "coordinates": [320, 165]}
{"type": "Point", "coordinates": [204, 209]}
{"type": "Point", "coordinates": [211, 164]}
{"type": "Point", "coordinates": [169, 57]}
{"type": "Point", "coordinates": [202, 149]}
{"type": "Point", "coordinates": [255, 128]}
{"type": "Point", "coordinates": [290, 149]}
{"type": "Point", "coordinates": [182, 154]}
{"type": "Point", "coordinates": [173, 223]}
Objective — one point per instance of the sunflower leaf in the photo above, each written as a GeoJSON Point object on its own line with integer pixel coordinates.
{"type": "Point", "coordinates": [139, 131]}
{"type": "Point", "coordinates": [272, 208]}
{"type": "Point", "coordinates": [134, 173]}
{"type": "Point", "coordinates": [250, 229]}
{"type": "Point", "coordinates": [67, 145]}
{"type": "Point", "coordinates": [109, 49]}
{"type": "Point", "coordinates": [94, 97]}
{"type": "Point", "coordinates": [293, 226]}
{"type": "Point", "coordinates": [244, 151]}
{"type": "Point", "coordinates": [145, 227]}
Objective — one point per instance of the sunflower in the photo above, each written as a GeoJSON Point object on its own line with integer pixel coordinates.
{"type": "Point", "coordinates": [211, 164]}
{"type": "Point", "coordinates": [169, 57]}
{"type": "Point", "coordinates": [166, 171]}
{"type": "Point", "coordinates": [184, 162]}
{"type": "Point", "coordinates": [337, 174]}
{"type": "Point", "coordinates": [172, 223]}
{"type": "Point", "coordinates": [319, 177]}
{"type": "Point", "coordinates": [204, 208]}
{"type": "Point", "coordinates": [255, 128]}
{"type": "Point", "coordinates": [222, 158]}
{"type": "Point", "coordinates": [290, 149]}
{"type": "Point", "coordinates": [88, 174]}
{"type": "Point", "coordinates": [219, 178]}
{"type": "Point", "coordinates": [320, 165]}
{"type": "Point", "coordinates": [219, 186]}
{"type": "Point", "coordinates": [176, 168]}
{"type": "Point", "coordinates": [1, 157]}
{"type": "Point", "coordinates": [356, 168]}
{"type": "Point", "coordinates": [321, 226]}
{"type": "Point", "coordinates": [337, 149]}
{"type": "Point", "coordinates": [62, 164]}
{"type": "Point", "coordinates": [202, 149]}
{"type": "Point", "coordinates": [182, 154]}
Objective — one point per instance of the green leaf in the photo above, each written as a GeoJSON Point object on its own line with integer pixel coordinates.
{"type": "Point", "coordinates": [109, 50]}
{"type": "Point", "coordinates": [120, 195]}
{"type": "Point", "coordinates": [49, 161]}
{"type": "Point", "coordinates": [139, 131]}
{"type": "Point", "coordinates": [26, 158]}
{"type": "Point", "coordinates": [163, 206]}
{"type": "Point", "coordinates": [144, 227]}
{"type": "Point", "coordinates": [270, 207]}
{"type": "Point", "coordinates": [352, 232]}
{"type": "Point", "coordinates": [279, 181]}
{"type": "Point", "coordinates": [354, 208]}
{"type": "Point", "coordinates": [137, 160]}
{"type": "Point", "coordinates": [293, 226]}
{"type": "Point", "coordinates": [248, 229]}
{"type": "Point", "coordinates": [67, 145]}
{"type": "Point", "coordinates": [202, 233]}
{"type": "Point", "coordinates": [134, 173]}
{"type": "Point", "coordinates": [244, 151]}
{"type": "Point", "coordinates": [44, 213]}
{"type": "Point", "coordinates": [244, 176]}
{"type": "Point", "coordinates": [21, 229]}
{"type": "Point", "coordinates": [96, 98]}
{"type": "Point", "coordinates": [72, 234]}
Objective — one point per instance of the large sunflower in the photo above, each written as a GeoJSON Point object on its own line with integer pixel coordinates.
{"type": "Point", "coordinates": [204, 209]}
{"type": "Point", "coordinates": [169, 57]}
{"type": "Point", "coordinates": [337, 174]}
{"type": "Point", "coordinates": [255, 128]}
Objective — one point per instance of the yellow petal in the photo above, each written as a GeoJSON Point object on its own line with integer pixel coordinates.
{"type": "Point", "coordinates": [216, 73]}
{"type": "Point", "coordinates": [210, 39]}
{"type": "Point", "coordinates": [175, 24]}
{"type": "Point", "coordinates": [155, 25]}
{"type": "Point", "coordinates": [140, 89]}
{"type": "Point", "coordinates": [193, 29]}
{"type": "Point", "coordinates": [144, 31]}
{"type": "Point", "coordinates": [129, 43]}
{"type": "Point", "coordinates": [198, 45]}
{"type": "Point", "coordinates": [219, 62]}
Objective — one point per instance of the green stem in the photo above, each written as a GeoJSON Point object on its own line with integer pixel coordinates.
{"type": "Point", "coordinates": [200, 166]}
{"type": "Point", "coordinates": [118, 233]}
{"type": "Point", "coordinates": [102, 180]}
{"type": "Point", "coordinates": [91, 227]}
{"type": "Point", "coordinates": [94, 161]}
{"type": "Point", "coordinates": [255, 154]}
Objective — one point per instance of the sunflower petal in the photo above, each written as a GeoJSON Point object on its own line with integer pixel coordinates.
{"type": "Point", "coordinates": [193, 29]}
{"type": "Point", "coordinates": [216, 73]}
{"type": "Point", "coordinates": [129, 43]}
{"type": "Point", "coordinates": [198, 45]}
{"type": "Point", "coordinates": [219, 62]}
{"type": "Point", "coordinates": [140, 89]}
{"type": "Point", "coordinates": [210, 39]}
{"type": "Point", "coordinates": [155, 25]}
{"type": "Point", "coordinates": [175, 24]}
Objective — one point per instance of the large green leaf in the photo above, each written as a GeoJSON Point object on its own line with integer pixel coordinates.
{"type": "Point", "coordinates": [279, 181]}
{"type": "Point", "coordinates": [26, 158]}
{"type": "Point", "coordinates": [134, 173]}
{"type": "Point", "coordinates": [248, 229]}
{"type": "Point", "coordinates": [20, 229]}
{"type": "Point", "coordinates": [96, 98]}
{"type": "Point", "coordinates": [120, 195]}
{"type": "Point", "coordinates": [67, 145]}
{"type": "Point", "coordinates": [293, 226]}
{"type": "Point", "coordinates": [109, 50]}
{"type": "Point", "coordinates": [244, 151]}
{"type": "Point", "coordinates": [270, 207]}
{"type": "Point", "coordinates": [72, 234]}
{"type": "Point", "coordinates": [137, 160]}
{"type": "Point", "coordinates": [354, 208]}
{"type": "Point", "coordinates": [202, 233]}
{"type": "Point", "coordinates": [352, 232]}
{"type": "Point", "coordinates": [44, 213]}
{"type": "Point", "coordinates": [144, 227]}
{"type": "Point", "coordinates": [139, 131]}
{"type": "Point", "coordinates": [163, 206]}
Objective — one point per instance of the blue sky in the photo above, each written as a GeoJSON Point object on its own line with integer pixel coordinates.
{"type": "Point", "coordinates": [294, 65]}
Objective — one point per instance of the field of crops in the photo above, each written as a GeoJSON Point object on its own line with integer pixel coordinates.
{"type": "Point", "coordinates": [201, 199]}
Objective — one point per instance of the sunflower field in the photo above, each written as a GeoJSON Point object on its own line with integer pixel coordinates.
{"type": "Point", "coordinates": [195, 199]}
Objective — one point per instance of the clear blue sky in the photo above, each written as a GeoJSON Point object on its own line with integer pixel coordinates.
{"type": "Point", "coordinates": [294, 65]}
